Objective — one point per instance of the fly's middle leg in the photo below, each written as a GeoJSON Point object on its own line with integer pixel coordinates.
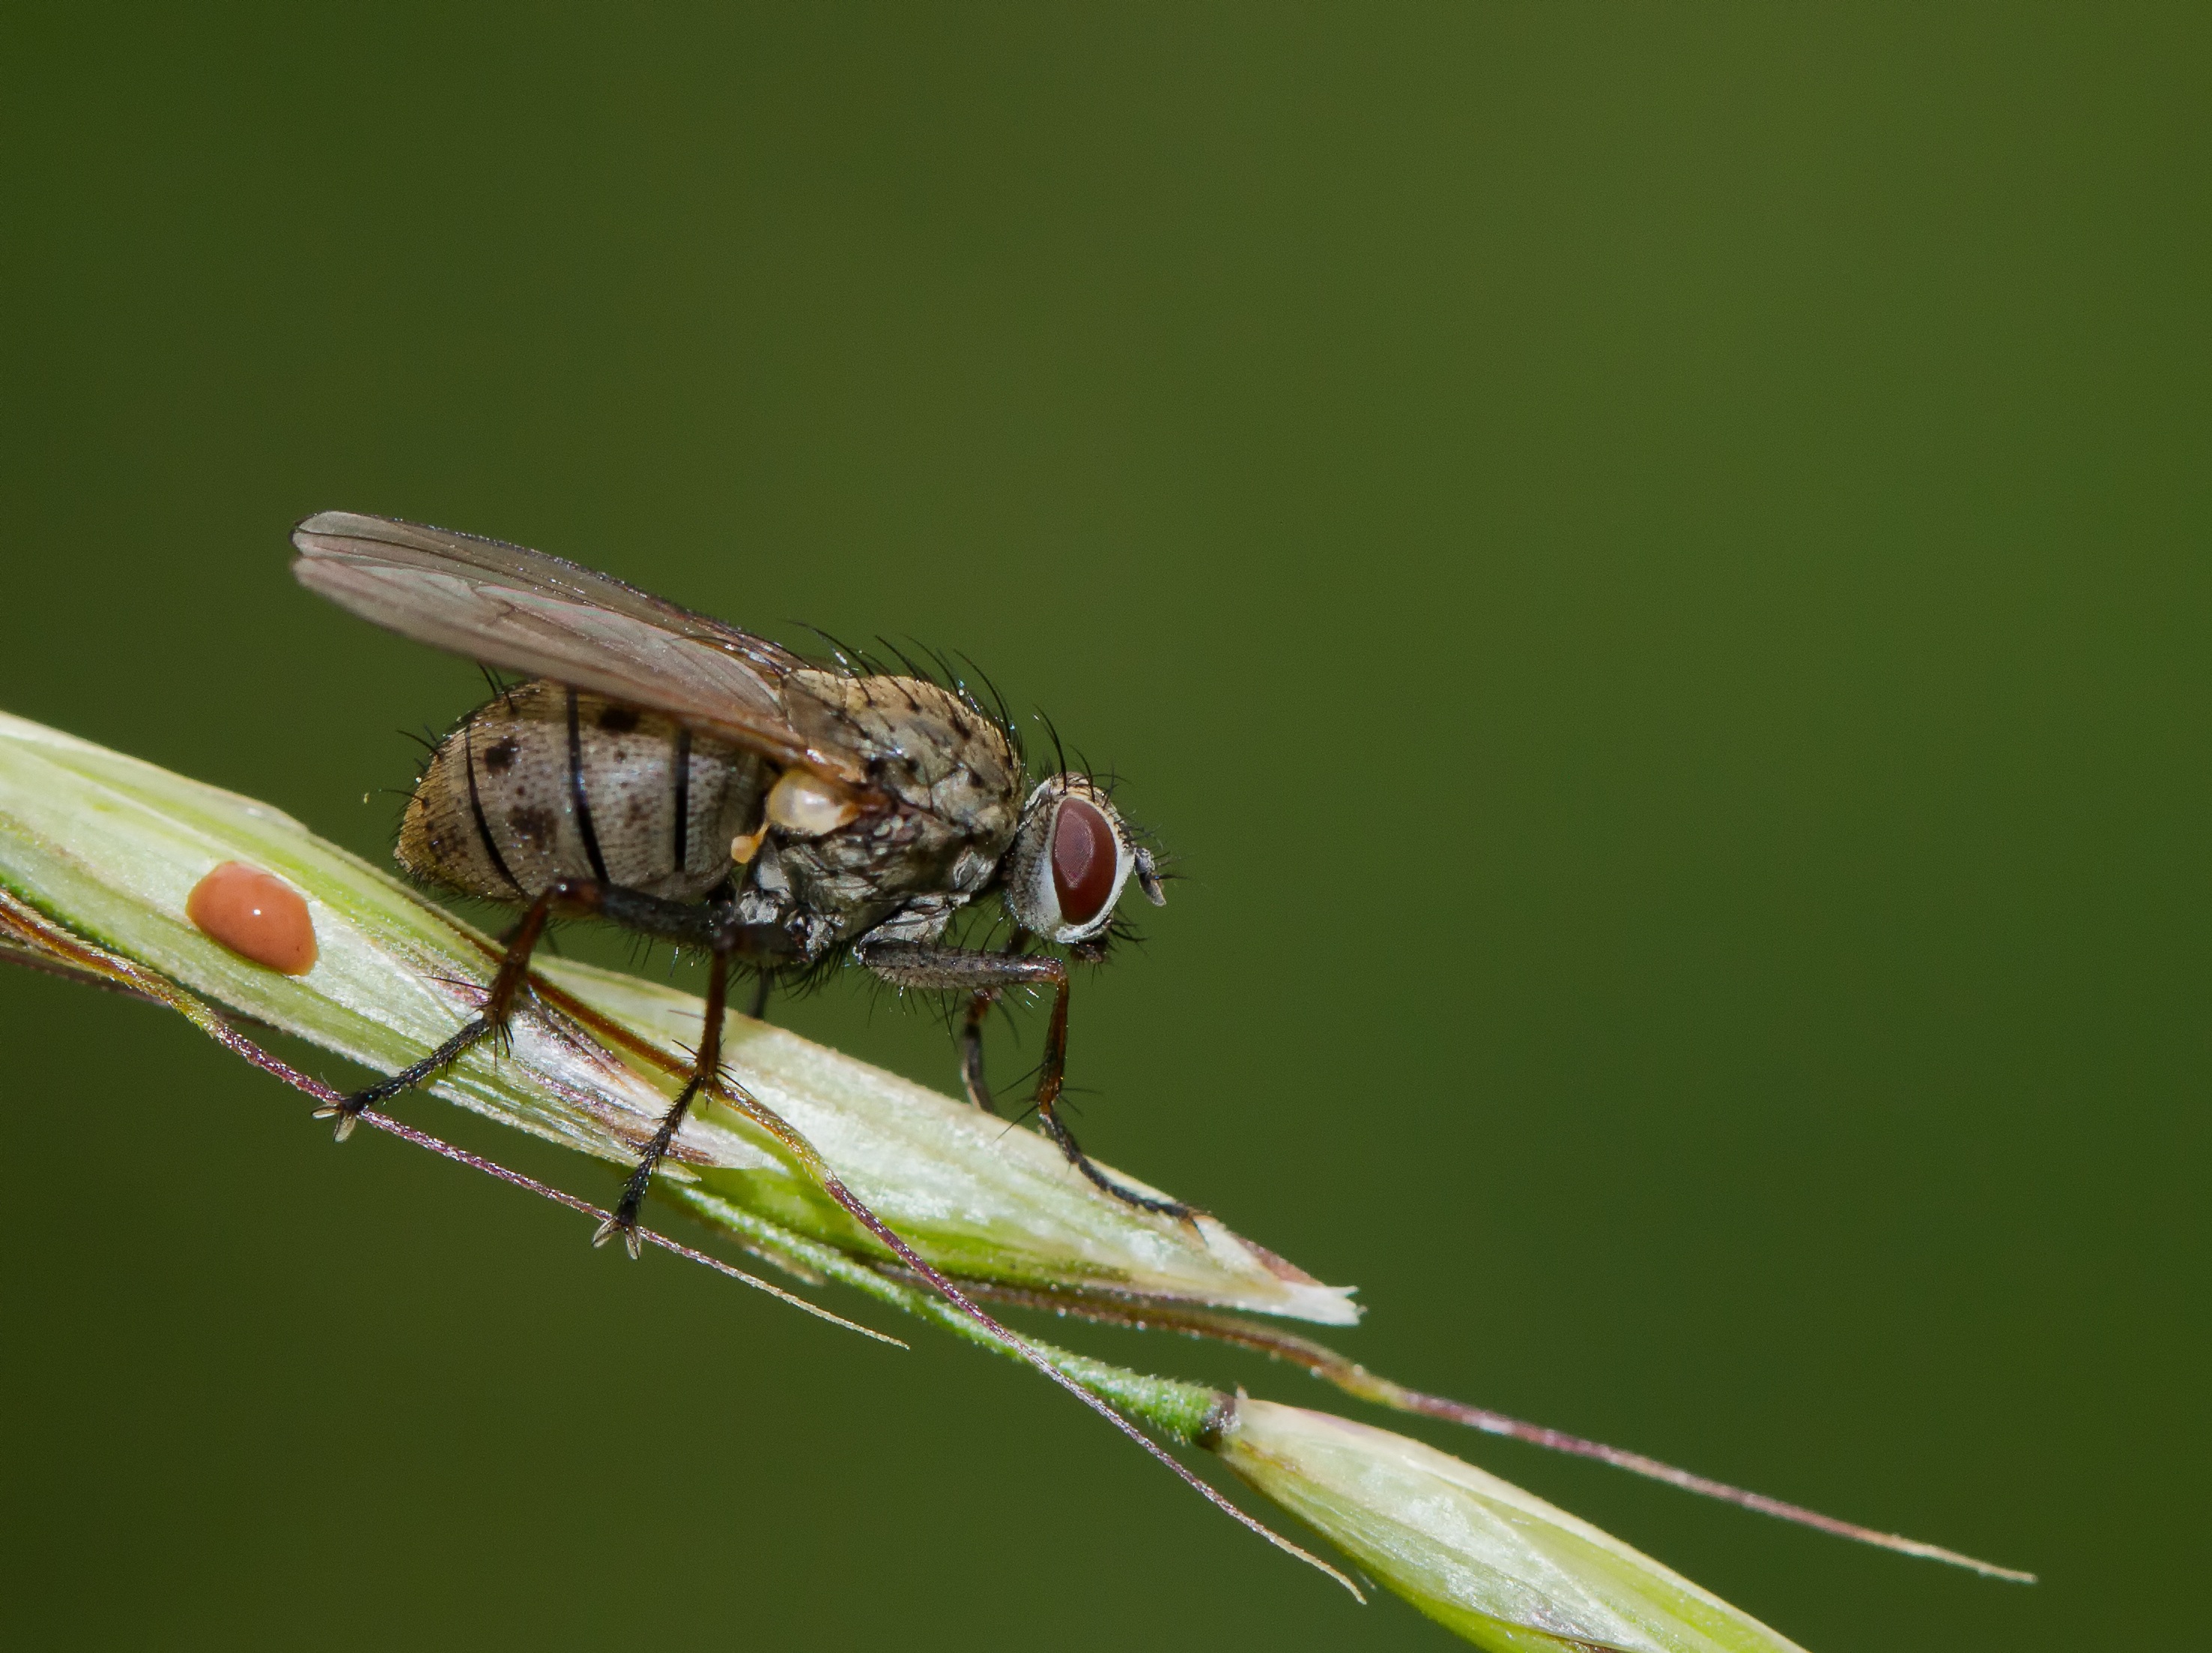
{"type": "Point", "coordinates": [724, 940]}
{"type": "Point", "coordinates": [704, 1072]}
{"type": "Point", "coordinates": [971, 1033]}
{"type": "Point", "coordinates": [971, 1049]}
{"type": "Point", "coordinates": [983, 976]}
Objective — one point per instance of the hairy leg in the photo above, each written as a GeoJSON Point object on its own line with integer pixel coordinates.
{"type": "Point", "coordinates": [704, 1075]}
{"type": "Point", "coordinates": [982, 976]}
{"type": "Point", "coordinates": [690, 924]}
{"type": "Point", "coordinates": [490, 1021]}
{"type": "Point", "coordinates": [971, 1049]}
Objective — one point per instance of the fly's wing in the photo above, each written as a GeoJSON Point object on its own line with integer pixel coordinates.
{"type": "Point", "coordinates": [520, 609]}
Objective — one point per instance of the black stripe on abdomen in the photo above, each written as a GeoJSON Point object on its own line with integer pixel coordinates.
{"type": "Point", "coordinates": [576, 798]}
{"type": "Point", "coordinates": [683, 798]}
{"type": "Point", "coordinates": [475, 808]}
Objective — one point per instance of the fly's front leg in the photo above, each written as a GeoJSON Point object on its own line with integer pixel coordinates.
{"type": "Point", "coordinates": [982, 976]}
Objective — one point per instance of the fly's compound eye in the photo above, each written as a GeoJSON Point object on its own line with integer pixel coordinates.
{"type": "Point", "coordinates": [1085, 857]}
{"type": "Point", "coordinates": [1070, 858]}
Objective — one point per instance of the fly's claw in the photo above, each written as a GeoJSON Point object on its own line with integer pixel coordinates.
{"type": "Point", "coordinates": [1174, 1210]}
{"type": "Point", "coordinates": [625, 1226]}
{"type": "Point", "coordinates": [346, 1112]}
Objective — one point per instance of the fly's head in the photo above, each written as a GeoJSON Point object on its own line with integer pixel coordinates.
{"type": "Point", "coordinates": [1071, 857]}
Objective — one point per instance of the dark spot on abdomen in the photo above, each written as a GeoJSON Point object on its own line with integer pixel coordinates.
{"type": "Point", "coordinates": [498, 756]}
{"type": "Point", "coordinates": [617, 720]}
{"type": "Point", "coordinates": [533, 827]}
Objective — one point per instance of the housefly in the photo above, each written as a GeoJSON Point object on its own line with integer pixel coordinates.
{"type": "Point", "coordinates": [691, 782]}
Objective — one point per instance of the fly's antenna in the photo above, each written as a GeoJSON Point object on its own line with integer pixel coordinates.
{"type": "Point", "coordinates": [1161, 860]}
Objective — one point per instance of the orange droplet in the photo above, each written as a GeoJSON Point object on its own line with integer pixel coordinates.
{"type": "Point", "coordinates": [257, 915]}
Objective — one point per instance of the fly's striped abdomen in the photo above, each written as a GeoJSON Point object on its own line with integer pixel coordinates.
{"type": "Point", "coordinates": [545, 782]}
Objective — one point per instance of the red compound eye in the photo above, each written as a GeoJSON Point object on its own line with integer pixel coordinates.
{"type": "Point", "coordinates": [1083, 862]}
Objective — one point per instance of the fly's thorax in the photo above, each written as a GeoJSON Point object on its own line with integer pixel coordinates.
{"type": "Point", "coordinates": [925, 746]}
{"type": "Point", "coordinates": [942, 799]}
{"type": "Point", "coordinates": [920, 837]}
{"type": "Point", "coordinates": [543, 783]}
{"type": "Point", "coordinates": [889, 862]}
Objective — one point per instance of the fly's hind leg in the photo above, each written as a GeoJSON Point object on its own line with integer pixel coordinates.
{"type": "Point", "coordinates": [715, 928]}
{"type": "Point", "coordinates": [490, 1021]}
{"type": "Point", "coordinates": [983, 976]}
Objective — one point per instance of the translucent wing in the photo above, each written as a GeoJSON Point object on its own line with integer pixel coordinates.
{"type": "Point", "coordinates": [520, 609]}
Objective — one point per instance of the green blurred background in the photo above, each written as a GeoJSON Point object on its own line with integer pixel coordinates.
{"type": "Point", "coordinates": [1650, 563]}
